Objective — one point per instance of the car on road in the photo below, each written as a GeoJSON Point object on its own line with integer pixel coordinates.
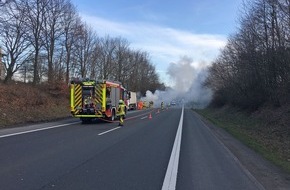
{"type": "Point", "coordinates": [173, 103]}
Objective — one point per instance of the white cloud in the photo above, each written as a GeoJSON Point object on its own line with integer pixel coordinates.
{"type": "Point", "coordinates": [165, 45]}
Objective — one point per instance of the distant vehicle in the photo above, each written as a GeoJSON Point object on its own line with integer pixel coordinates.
{"type": "Point", "coordinates": [132, 102]}
{"type": "Point", "coordinates": [173, 103]}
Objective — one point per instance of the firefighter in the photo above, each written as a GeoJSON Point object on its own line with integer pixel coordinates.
{"type": "Point", "coordinates": [121, 112]}
{"type": "Point", "coordinates": [151, 104]}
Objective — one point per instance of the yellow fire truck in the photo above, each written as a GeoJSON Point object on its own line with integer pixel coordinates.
{"type": "Point", "coordinates": [90, 99]}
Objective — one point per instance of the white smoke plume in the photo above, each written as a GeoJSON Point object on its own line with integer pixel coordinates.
{"type": "Point", "coordinates": [187, 78]}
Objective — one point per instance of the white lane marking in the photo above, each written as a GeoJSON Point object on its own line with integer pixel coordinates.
{"type": "Point", "coordinates": [144, 117]}
{"type": "Point", "coordinates": [169, 182]}
{"type": "Point", "coordinates": [35, 130]}
{"type": "Point", "coordinates": [108, 131]}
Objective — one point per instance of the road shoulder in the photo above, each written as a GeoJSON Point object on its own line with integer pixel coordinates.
{"type": "Point", "coordinates": [269, 175]}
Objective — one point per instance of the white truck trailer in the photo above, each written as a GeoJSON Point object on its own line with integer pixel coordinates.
{"type": "Point", "coordinates": [132, 101]}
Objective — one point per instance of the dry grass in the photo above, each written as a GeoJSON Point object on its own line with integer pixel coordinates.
{"type": "Point", "coordinates": [21, 103]}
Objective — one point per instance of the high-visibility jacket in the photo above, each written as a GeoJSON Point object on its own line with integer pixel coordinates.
{"type": "Point", "coordinates": [121, 110]}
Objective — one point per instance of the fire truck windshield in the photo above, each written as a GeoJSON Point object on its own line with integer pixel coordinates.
{"type": "Point", "coordinates": [88, 91]}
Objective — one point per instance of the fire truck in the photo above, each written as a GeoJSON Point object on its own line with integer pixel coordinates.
{"type": "Point", "coordinates": [90, 99]}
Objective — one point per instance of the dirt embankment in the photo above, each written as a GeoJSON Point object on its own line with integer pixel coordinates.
{"type": "Point", "coordinates": [22, 103]}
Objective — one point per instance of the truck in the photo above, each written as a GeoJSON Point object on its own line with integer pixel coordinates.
{"type": "Point", "coordinates": [132, 102]}
{"type": "Point", "coordinates": [91, 99]}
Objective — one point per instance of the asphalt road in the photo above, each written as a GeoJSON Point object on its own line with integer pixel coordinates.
{"type": "Point", "coordinates": [141, 155]}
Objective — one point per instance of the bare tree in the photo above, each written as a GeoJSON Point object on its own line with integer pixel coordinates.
{"type": "Point", "coordinates": [70, 20]}
{"type": "Point", "coordinates": [84, 48]}
{"type": "Point", "coordinates": [34, 13]}
{"type": "Point", "coordinates": [107, 58]}
{"type": "Point", "coordinates": [13, 38]}
{"type": "Point", "coordinates": [254, 66]}
{"type": "Point", "coordinates": [95, 69]}
{"type": "Point", "coordinates": [123, 66]}
{"type": "Point", "coordinates": [51, 42]}
{"type": "Point", "coordinates": [52, 32]}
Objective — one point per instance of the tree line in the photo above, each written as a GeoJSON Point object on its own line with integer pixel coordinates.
{"type": "Point", "coordinates": [254, 67]}
{"type": "Point", "coordinates": [46, 41]}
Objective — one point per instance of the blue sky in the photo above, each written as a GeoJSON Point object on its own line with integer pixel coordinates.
{"type": "Point", "coordinates": [167, 29]}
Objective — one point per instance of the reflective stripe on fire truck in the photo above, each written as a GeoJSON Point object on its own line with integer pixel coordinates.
{"type": "Point", "coordinates": [72, 100]}
{"type": "Point", "coordinates": [100, 91]}
{"type": "Point", "coordinates": [78, 98]}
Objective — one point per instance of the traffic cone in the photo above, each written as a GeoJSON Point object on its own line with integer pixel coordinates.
{"type": "Point", "coordinates": [150, 116]}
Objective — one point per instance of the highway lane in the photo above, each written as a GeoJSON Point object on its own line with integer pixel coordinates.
{"type": "Point", "coordinates": [135, 156]}
{"type": "Point", "coordinates": [40, 159]}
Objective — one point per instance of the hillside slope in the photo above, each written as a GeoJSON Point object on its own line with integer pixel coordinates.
{"type": "Point", "coordinates": [22, 103]}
